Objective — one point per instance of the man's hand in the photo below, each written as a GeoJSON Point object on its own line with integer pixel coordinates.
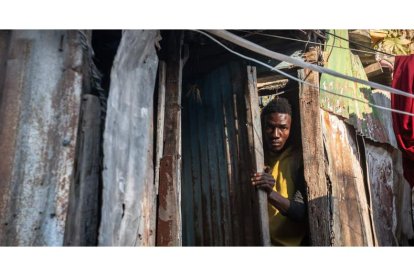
{"type": "Point", "coordinates": [263, 180]}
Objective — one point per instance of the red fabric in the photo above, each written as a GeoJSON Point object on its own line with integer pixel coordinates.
{"type": "Point", "coordinates": [403, 124]}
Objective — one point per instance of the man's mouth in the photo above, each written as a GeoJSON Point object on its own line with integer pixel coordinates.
{"type": "Point", "coordinates": [276, 143]}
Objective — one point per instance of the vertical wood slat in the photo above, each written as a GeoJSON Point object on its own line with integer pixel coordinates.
{"type": "Point", "coordinates": [250, 203]}
{"type": "Point", "coordinates": [313, 159]}
{"type": "Point", "coordinates": [350, 217]}
{"type": "Point", "coordinates": [169, 209]}
{"type": "Point", "coordinates": [257, 149]}
{"type": "Point", "coordinates": [159, 147]}
{"type": "Point", "coordinates": [128, 175]}
{"type": "Point", "coordinates": [84, 209]}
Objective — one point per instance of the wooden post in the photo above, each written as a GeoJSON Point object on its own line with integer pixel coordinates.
{"type": "Point", "coordinates": [313, 159]}
{"type": "Point", "coordinates": [256, 145]}
{"type": "Point", "coordinates": [169, 208]}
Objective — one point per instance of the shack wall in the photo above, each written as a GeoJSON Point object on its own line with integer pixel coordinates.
{"type": "Point", "coordinates": [218, 203]}
{"type": "Point", "coordinates": [42, 83]}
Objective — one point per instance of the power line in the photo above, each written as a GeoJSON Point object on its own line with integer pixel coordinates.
{"type": "Point", "coordinates": [311, 42]}
{"type": "Point", "coordinates": [298, 62]}
{"type": "Point", "coordinates": [299, 80]}
{"type": "Point", "coordinates": [363, 46]}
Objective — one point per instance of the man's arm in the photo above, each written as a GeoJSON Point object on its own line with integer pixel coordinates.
{"type": "Point", "coordinates": [294, 209]}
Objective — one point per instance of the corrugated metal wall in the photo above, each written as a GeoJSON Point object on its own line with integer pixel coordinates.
{"type": "Point", "coordinates": [218, 204]}
{"type": "Point", "coordinates": [41, 85]}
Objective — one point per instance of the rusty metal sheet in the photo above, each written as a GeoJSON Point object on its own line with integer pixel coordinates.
{"type": "Point", "coordinates": [128, 175]}
{"type": "Point", "coordinates": [381, 180]}
{"type": "Point", "coordinates": [350, 215]}
{"type": "Point", "coordinates": [390, 195]}
{"type": "Point", "coordinates": [40, 114]}
{"type": "Point", "coordinates": [218, 204]}
{"type": "Point", "coordinates": [365, 118]}
{"type": "Point", "coordinates": [403, 221]}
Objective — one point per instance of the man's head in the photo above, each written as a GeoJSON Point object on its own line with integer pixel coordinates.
{"type": "Point", "coordinates": [276, 122]}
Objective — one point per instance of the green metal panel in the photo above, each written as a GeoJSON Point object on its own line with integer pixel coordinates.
{"type": "Point", "coordinates": [350, 100]}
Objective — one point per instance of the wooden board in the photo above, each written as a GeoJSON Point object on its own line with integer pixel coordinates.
{"type": "Point", "coordinates": [313, 160]}
{"type": "Point", "coordinates": [128, 173]}
{"type": "Point", "coordinates": [256, 143]}
{"type": "Point", "coordinates": [169, 210]}
{"type": "Point", "coordinates": [351, 224]}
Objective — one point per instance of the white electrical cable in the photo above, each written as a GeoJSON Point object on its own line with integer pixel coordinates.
{"type": "Point", "coordinates": [275, 55]}
{"type": "Point", "coordinates": [299, 80]}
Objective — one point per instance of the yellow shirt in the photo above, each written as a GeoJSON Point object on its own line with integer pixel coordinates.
{"type": "Point", "coordinates": [285, 169]}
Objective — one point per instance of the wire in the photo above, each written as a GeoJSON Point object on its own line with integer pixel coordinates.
{"type": "Point", "coordinates": [306, 41]}
{"type": "Point", "coordinates": [363, 46]}
{"type": "Point", "coordinates": [299, 80]}
{"type": "Point", "coordinates": [299, 62]}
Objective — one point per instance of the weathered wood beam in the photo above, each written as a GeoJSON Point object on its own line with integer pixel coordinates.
{"type": "Point", "coordinates": [256, 145]}
{"type": "Point", "coordinates": [128, 174]}
{"type": "Point", "coordinates": [373, 69]}
{"type": "Point", "coordinates": [169, 192]}
{"type": "Point", "coordinates": [159, 147]}
{"type": "Point", "coordinates": [313, 159]}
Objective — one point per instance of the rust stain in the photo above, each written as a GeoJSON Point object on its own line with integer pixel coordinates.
{"type": "Point", "coordinates": [10, 107]}
{"type": "Point", "coordinates": [166, 217]}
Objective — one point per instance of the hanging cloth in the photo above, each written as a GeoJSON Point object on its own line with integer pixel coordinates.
{"type": "Point", "coordinates": [404, 124]}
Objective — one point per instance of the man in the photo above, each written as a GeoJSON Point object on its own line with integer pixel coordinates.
{"type": "Point", "coordinates": [283, 176]}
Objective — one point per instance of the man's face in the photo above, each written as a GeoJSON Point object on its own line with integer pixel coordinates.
{"type": "Point", "coordinates": [277, 130]}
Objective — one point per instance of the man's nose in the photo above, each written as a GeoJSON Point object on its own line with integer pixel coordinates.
{"type": "Point", "coordinates": [276, 133]}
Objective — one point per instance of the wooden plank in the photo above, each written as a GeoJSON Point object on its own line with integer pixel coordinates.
{"type": "Point", "coordinates": [159, 147]}
{"type": "Point", "coordinates": [381, 177]}
{"type": "Point", "coordinates": [257, 149]}
{"type": "Point", "coordinates": [84, 204]}
{"type": "Point", "coordinates": [313, 159]}
{"type": "Point", "coordinates": [373, 70]}
{"type": "Point", "coordinates": [171, 209]}
{"type": "Point", "coordinates": [128, 175]}
{"type": "Point", "coordinates": [351, 224]}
